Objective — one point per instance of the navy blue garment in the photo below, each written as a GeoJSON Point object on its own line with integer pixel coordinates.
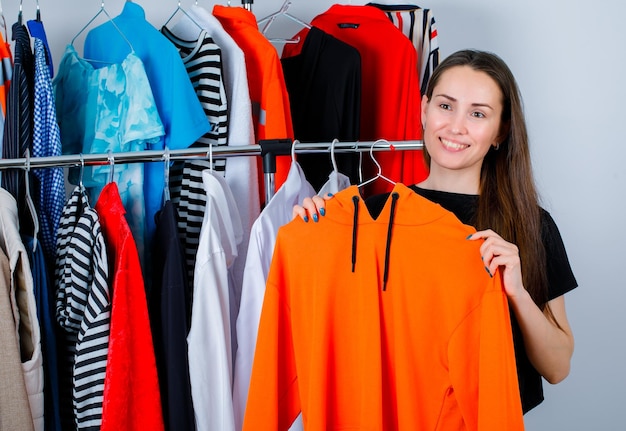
{"type": "Point", "coordinates": [45, 314]}
{"type": "Point", "coordinates": [169, 306]}
{"type": "Point", "coordinates": [18, 129]}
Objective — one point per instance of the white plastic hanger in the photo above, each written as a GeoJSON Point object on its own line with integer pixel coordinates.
{"type": "Point", "coordinates": [379, 174]}
{"type": "Point", "coordinates": [29, 200]}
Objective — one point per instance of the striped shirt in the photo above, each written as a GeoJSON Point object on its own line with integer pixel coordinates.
{"type": "Point", "coordinates": [83, 306]}
{"type": "Point", "coordinates": [418, 24]}
{"type": "Point", "coordinates": [202, 59]}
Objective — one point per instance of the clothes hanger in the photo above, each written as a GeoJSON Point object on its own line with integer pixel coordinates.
{"type": "Point", "coordinates": [166, 175]}
{"type": "Point", "coordinates": [19, 14]}
{"type": "Point", "coordinates": [281, 12]}
{"type": "Point", "coordinates": [111, 167]}
{"type": "Point", "coordinates": [102, 10]}
{"type": "Point", "coordinates": [379, 174]}
{"type": "Point", "coordinates": [332, 155]}
{"type": "Point", "coordinates": [29, 201]}
{"type": "Point", "coordinates": [180, 9]}
{"type": "Point", "coordinates": [269, 20]}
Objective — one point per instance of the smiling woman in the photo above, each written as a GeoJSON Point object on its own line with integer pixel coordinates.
{"type": "Point", "coordinates": [476, 145]}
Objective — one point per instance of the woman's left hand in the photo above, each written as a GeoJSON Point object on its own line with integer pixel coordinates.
{"type": "Point", "coordinates": [499, 253]}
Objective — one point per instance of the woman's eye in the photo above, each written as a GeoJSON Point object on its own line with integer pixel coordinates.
{"type": "Point", "coordinates": [478, 115]}
{"type": "Point", "coordinates": [444, 106]}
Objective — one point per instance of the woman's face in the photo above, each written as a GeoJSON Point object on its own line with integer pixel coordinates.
{"type": "Point", "coordinates": [461, 120]}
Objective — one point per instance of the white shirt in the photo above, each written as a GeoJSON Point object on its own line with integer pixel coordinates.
{"type": "Point", "coordinates": [260, 250]}
{"type": "Point", "coordinates": [209, 339]}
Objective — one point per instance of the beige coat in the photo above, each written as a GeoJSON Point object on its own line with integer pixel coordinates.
{"type": "Point", "coordinates": [26, 328]}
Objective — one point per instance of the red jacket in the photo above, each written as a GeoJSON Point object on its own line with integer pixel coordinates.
{"type": "Point", "coordinates": [132, 400]}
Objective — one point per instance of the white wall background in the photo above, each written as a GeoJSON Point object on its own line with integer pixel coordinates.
{"type": "Point", "coordinates": [570, 62]}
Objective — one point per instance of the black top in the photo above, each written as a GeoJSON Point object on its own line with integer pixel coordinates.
{"type": "Point", "coordinates": [560, 276]}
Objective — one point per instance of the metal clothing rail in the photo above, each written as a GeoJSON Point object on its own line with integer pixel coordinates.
{"type": "Point", "coordinates": [280, 147]}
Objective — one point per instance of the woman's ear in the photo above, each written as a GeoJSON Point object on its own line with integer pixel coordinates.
{"type": "Point", "coordinates": [423, 110]}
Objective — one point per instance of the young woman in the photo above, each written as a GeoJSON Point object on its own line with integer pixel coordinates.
{"type": "Point", "coordinates": [476, 145]}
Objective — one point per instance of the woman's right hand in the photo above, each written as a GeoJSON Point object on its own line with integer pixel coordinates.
{"type": "Point", "coordinates": [312, 208]}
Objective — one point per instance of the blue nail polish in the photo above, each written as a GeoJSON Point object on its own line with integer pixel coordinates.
{"type": "Point", "coordinates": [306, 219]}
{"type": "Point", "coordinates": [488, 272]}
{"type": "Point", "coordinates": [330, 195]}
{"type": "Point", "coordinates": [322, 212]}
{"type": "Point", "coordinates": [469, 236]}
{"type": "Point", "coordinates": [315, 218]}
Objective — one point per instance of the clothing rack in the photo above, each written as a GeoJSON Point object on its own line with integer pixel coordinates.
{"type": "Point", "coordinates": [268, 149]}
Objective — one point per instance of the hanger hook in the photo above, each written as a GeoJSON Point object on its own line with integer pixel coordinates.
{"type": "Point", "coordinates": [166, 174]}
{"type": "Point", "coordinates": [332, 154]}
{"type": "Point", "coordinates": [210, 156]}
{"type": "Point", "coordinates": [111, 165]}
{"type": "Point", "coordinates": [82, 171]}
{"type": "Point", "coordinates": [293, 150]}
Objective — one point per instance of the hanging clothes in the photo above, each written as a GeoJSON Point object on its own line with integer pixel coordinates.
{"type": "Point", "coordinates": [390, 103]}
{"type": "Point", "coordinates": [83, 311]}
{"type": "Point", "coordinates": [18, 126]}
{"type": "Point", "coordinates": [202, 59]}
{"type": "Point", "coordinates": [169, 305]}
{"type": "Point", "coordinates": [132, 398]}
{"type": "Point", "coordinates": [24, 307]}
{"type": "Point", "coordinates": [180, 111]}
{"type": "Point", "coordinates": [262, 239]}
{"type": "Point", "coordinates": [13, 397]}
{"type": "Point", "coordinates": [354, 345]}
{"type": "Point", "coordinates": [270, 101]}
{"type": "Point", "coordinates": [45, 301]}
{"type": "Point", "coordinates": [242, 173]}
{"type": "Point", "coordinates": [418, 24]}
{"type": "Point", "coordinates": [324, 86]}
{"type": "Point", "coordinates": [6, 72]}
{"type": "Point", "coordinates": [47, 143]}
{"type": "Point", "coordinates": [37, 31]}
{"type": "Point", "coordinates": [111, 108]}
{"type": "Point", "coordinates": [209, 340]}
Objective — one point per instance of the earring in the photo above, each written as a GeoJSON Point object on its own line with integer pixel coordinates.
{"type": "Point", "coordinates": [497, 146]}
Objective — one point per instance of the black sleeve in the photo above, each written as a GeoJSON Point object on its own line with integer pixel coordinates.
{"type": "Point", "coordinates": [560, 276]}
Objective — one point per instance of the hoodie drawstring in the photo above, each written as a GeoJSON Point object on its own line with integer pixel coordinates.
{"type": "Point", "coordinates": [355, 222]}
{"type": "Point", "coordinates": [394, 199]}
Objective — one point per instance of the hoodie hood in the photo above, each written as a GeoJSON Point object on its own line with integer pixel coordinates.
{"type": "Point", "coordinates": [397, 210]}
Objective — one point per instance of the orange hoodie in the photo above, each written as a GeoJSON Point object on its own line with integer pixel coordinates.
{"type": "Point", "coordinates": [382, 324]}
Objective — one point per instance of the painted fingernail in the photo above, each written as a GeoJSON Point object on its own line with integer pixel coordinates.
{"type": "Point", "coordinates": [322, 212]}
{"type": "Point", "coordinates": [469, 236]}
{"type": "Point", "coordinates": [315, 218]}
{"type": "Point", "coordinates": [330, 195]}
{"type": "Point", "coordinates": [488, 272]}
{"type": "Point", "coordinates": [306, 219]}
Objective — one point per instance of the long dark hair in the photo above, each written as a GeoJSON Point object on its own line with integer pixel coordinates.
{"type": "Point", "coordinates": [508, 201]}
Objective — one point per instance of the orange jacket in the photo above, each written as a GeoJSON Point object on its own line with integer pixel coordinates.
{"type": "Point", "coordinates": [271, 113]}
{"type": "Point", "coordinates": [426, 347]}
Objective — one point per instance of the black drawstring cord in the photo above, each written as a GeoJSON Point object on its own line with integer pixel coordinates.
{"type": "Point", "coordinates": [355, 199]}
{"type": "Point", "coordinates": [394, 198]}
